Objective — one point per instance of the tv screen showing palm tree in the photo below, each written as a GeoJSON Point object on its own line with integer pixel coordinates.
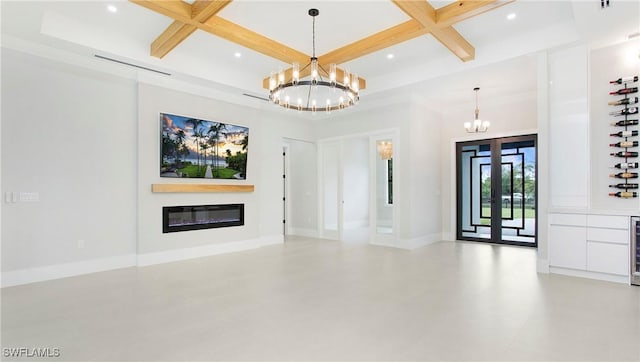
{"type": "Point", "coordinates": [195, 148]}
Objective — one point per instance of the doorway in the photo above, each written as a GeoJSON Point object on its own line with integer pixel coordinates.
{"type": "Point", "coordinates": [497, 190]}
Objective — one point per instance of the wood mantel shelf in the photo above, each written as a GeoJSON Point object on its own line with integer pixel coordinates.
{"type": "Point", "coordinates": [200, 188]}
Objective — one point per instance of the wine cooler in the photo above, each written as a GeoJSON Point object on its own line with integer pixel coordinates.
{"type": "Point", "coordinates": [635, 251]}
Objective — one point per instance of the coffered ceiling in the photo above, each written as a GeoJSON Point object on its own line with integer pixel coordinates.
{"type": "Point", "coordinates": [223, 58]}
{"type": "Point", "coordinates": [424, 19]}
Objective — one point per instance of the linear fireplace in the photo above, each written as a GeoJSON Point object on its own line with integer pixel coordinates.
{"type": "Point", "coordinates": [183, 218]}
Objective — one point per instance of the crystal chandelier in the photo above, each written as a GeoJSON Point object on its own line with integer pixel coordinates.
{"type": "Point", "coordinates": [320, 90]}
{"type": "Point", "coordinates": [477, 125]}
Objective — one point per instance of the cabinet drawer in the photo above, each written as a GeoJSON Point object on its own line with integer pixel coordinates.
{"type": "Point", "coordinates": [608, 221]}
{"type": "Point", "coordinates": [568, 219]}
{"type": "Point", "coordinates": [567, 247]}
{"type": "Point", "coordinates": [608, 258]}
{"type": "Point", "coordinates": [608, 235]}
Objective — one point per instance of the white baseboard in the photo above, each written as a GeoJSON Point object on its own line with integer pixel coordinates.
{"type": "Point", "coordinates": [589, 275]}
{"type": "Point", "coordinates": [271, 240]}
{"type": "Point", "coordinates": [542, 266]}
{"type": "Point", "coordinates": [32, 275]}
{"type": "Point", "coordinates": [419, 242]}
{"type": "Point", "coordinates": [57, 271]}
{"type": "Point", "coordinates": [169, 256]}
{"type": "Point", "coordinates": [309, 233]}
{"type": "Point", "coordinates": [448, 236]}
{"type": "Point", "coordinates": [410, 244]}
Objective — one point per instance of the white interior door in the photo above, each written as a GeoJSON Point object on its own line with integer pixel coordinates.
{"type": "Point", "coordinates": [331, 195]}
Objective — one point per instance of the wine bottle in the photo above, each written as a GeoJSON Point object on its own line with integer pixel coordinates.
{"type": "Point", "coordinates": [625, 91]}
{"type": "Point", "coordinates": [628, 122]}
{"type": "Point", "coordinates": [624, 144]}
{"type": "Point", "coordinates": [625, 154]}
{"type": "Point", "coordinates": [624, 194]}
{"type": "Point", "coordinates": [625, 80]}
{"type": "Point", "coordinates": [624, 186]}
{"type": "Point", "coordinates": [624, 134]}
{"type": "Point", "coordinates": [624, 175]}
{"type": "Point", "coordinates": [624, 112]}
{"type": "Point", "coordinates": [626, 165]}
{"type": "Point", "coordinates": [623, 101]}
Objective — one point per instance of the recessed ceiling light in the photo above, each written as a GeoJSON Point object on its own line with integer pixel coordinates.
{"type": "Point", "coordinates": [390, 56]}
{"type": "Point", "coordinates": [511, 16]}
{"type": "Point", "coordinates": [112, 9]}
{"type": "Point", "coordinates": [237, 54]}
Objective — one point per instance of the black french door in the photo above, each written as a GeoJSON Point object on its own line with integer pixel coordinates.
{"type": "Point", "coordinates": [497, 190]}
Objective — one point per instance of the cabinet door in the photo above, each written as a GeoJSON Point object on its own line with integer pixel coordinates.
{"type": "Point", "coordinates": [608, 258]}
{"type": "Point", "coordinates": [568, 246]}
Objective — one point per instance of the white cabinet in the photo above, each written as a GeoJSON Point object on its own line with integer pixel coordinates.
{"type": "Point", "coordinates": [593, 244]}
{"type": "Point", "coordinates": [569, 246]}
{"type": "Point", "coordinates": [608, 221]}
{"type": "Point", "coordinates": [608, 258]}
{"type": "Point", "coordinates": [608, 244]}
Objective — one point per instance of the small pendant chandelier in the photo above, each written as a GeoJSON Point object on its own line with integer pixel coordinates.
{"type": "Point", "coordinates": [321, 90]}
{"type": "Point", "coordinates": [477, 125]}
{"type": "Point", "coordinates": [385, 150]}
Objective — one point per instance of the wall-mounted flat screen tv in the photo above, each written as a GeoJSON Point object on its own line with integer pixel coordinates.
{"type": "Point", "coordinates": [197, 148]}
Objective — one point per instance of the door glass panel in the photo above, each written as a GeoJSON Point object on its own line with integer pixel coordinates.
{"type": "Point", "coordinates": [475, 193]}
{"type": "Point", "coordinates": [518, 191]}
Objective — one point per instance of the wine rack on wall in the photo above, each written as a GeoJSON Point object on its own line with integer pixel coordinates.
{"type": "Point", "coordinates": [625, 147]}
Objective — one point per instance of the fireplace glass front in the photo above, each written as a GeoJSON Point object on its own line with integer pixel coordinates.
{"type": "Point", "coordinates": [183, 218]}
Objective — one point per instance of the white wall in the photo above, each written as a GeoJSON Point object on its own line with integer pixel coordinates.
{"type": "Point", "coordinates": [355, 162]}
{"type": "Point", "coordinates": [88, 144]}
{"type": "Point", "coordinates": [569, 127]}
{"type": "Point", "coordinates": [417, 203]}
{"type": "Point", "coordinates": [356, 123]}
{"type": "Point", "coordinates": [69, 134]}
{"type": "Point", "coordinates": [509, 114]}
{"type": "Point", "coordinates": [425, 144]}
{"type": "Point", "coordinates": [607, 64]}
{"type": "Point", "coordinates": [578, 90]}
{"type": "Point", "coordinates": [263, 207]}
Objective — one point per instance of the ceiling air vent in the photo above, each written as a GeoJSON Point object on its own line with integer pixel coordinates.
{"type": "Point", "coordinates": [256, 97]}
{"type": "Point", "coordinates": [130, 64]}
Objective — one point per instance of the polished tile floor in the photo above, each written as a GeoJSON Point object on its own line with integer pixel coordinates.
{"type": "Point", "coordinates": [324, 300]}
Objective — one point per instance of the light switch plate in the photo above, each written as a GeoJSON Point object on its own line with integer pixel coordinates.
{"type": "Point", "coordinates": [29, 197]}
